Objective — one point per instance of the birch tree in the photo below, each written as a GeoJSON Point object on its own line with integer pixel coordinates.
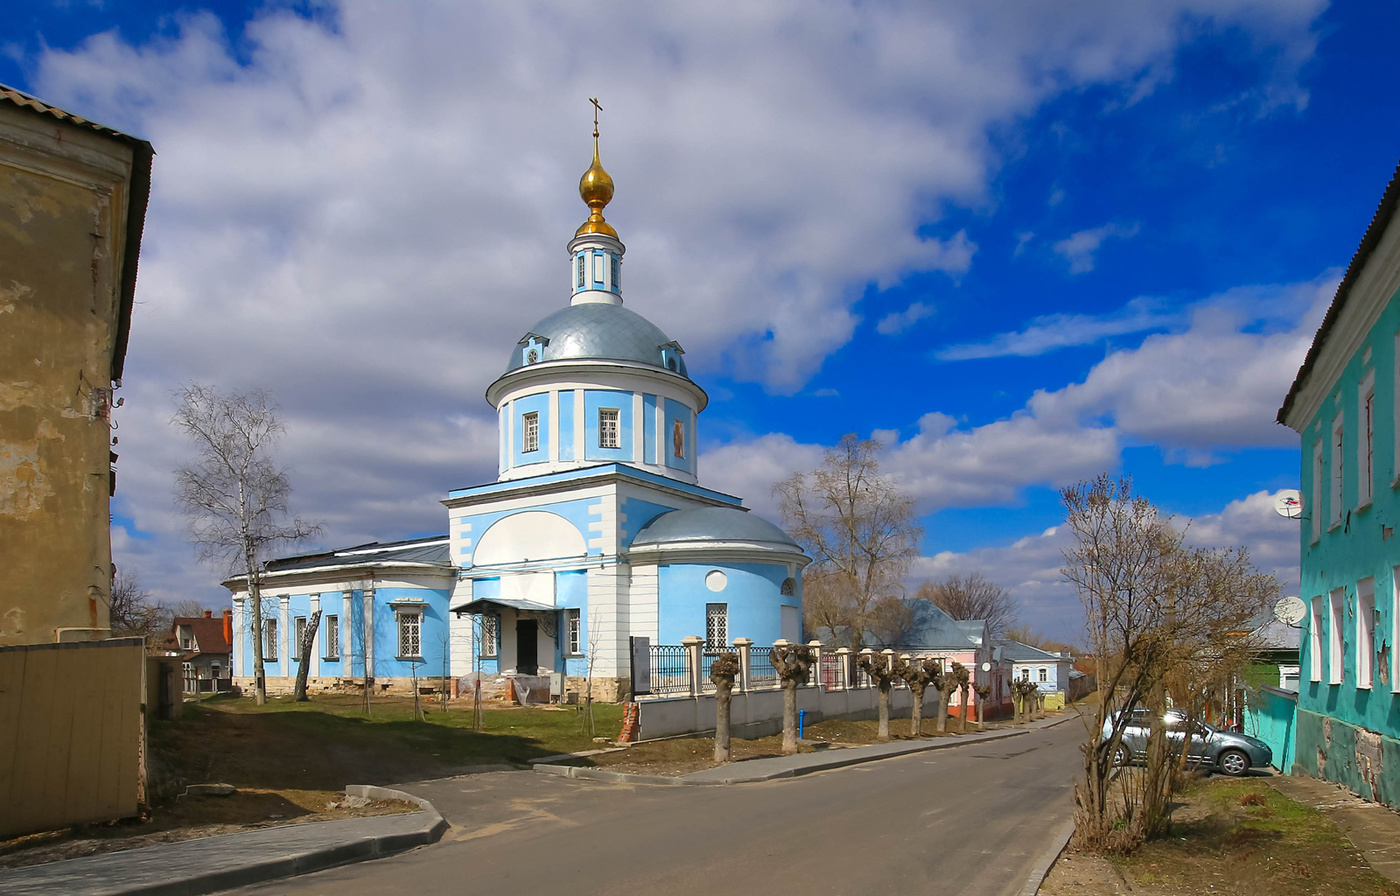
{"type": "Point", "coordinates": [233, 493]}
{"type": "Point", "coordinates": [862, 536]}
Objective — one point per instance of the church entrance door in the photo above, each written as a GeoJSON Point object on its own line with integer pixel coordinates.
{"type": "Point", "coordinates": [527, 647]}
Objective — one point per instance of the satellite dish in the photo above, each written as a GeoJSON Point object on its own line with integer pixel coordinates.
{"type": "Point", "coordinates": [986, 667]}
{"type": "Point", "coordinates": [1290, 611]}
{"type": "Point", "coordinates": [1289, 503]}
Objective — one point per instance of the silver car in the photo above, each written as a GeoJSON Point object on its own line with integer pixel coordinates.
{"type": "Point", "coordinates": [1234, 754]}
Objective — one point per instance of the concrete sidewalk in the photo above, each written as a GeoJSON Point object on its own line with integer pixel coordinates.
{"type": "Point", "coordinates": [752, 771]}
{"type": "Point", "coordinates": [192, 867]}
{"type": "Point", "coordinates": [1372, 828]}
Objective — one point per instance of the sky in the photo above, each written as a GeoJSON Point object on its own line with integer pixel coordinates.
{"type": "Point", "coordinates": [1020, 243]}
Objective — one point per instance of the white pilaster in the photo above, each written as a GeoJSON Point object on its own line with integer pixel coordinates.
{"type": "Point", "coordinates": [347, 604]}
{"type": "Point", "coordinates": [580, 435]}
{"type": "Point", "coordinates": [284, 632]}
{"type": "Point", "coordinates": [638, 428]}
{"type": "Point", "coordinates": [314, 666]}
{"type": "Point", "coordinates": [368, 609]}
{"type": "Point", "coordinates": [240, 653]}
{"type": "Point", "coordinates": [554, 428]}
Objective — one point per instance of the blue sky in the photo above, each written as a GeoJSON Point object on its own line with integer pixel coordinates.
{"type": "Point", "coordinates": [1020, 244]}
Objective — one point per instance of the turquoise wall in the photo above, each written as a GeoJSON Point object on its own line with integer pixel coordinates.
{"type": "Point", "coordinates": [1271, 717]}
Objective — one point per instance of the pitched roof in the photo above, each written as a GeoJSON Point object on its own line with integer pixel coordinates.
{"type": "Point", "coordinates": [208, 633]}
{"type": "Point", "coordinates": [1385, 212]}
{"type": "Point", "coordinates": [137, 197]}
{"type": "Point", "coordinates": [1018, 652]}
{"type": "Point", "coordinates": [933, 628]}
{"type": "Point", "coordinates": [433, 551]}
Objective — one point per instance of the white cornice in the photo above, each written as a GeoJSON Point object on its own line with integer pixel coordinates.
{"type": "Point", "coordinates": [1368, 297]}
{"type": "Point", "coordinates": [573, 370]}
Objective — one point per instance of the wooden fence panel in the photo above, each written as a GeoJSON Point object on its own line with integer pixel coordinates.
{"type": "Point", "coordinates": [71, 731]}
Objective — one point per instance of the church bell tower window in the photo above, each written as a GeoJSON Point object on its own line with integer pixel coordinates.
{"type": "Point", "coordinates": [532, 431]}
{"type": "Point", "coordinates": [608, 436]}
{"type": "Point", "coordinates": [578, 277]}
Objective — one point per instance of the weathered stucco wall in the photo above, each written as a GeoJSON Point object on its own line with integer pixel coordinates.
{"type": "Point", "coordinates": [1366, 762]}
{"type": "Point", "coordinates": [64, 194]}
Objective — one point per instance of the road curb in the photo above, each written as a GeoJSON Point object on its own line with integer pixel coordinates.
{"type": "Point", "coordinates": [1047, 859]}
{"type": "Point", "coordinates": [275, 866]}
{"type": "Point", "coordinates": [830, 761]}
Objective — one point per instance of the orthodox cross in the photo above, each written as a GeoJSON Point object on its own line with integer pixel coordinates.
{"type": "Point", "coordinates": [596, 109]}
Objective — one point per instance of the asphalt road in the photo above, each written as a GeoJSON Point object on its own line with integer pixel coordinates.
{"type": "Point", "coordinates": [970, 820]}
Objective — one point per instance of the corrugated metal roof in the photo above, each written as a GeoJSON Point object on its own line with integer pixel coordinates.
{"type": "Point", "coordinates": [1025, 653]}
{"type": "Point", "coordinates": [1379, 222]}
{"type": "Point", "coordinates": [601, 331]}
{"type": "Point", "coordinates": [433, 551]}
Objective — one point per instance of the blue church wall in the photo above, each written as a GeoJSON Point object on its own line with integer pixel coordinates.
{"type": "Point", "coordinates": [635, 516]}
{"type": "Point", "coordinates": [566, 425]}
{"type": "Point", "coordinates": [531, 404]}
{"type": "Point", "coordinates": [488, 589]}
{"type": "Point", "coordinates": [571, 592]}
{"type": "Point", "coordinates": [752, 593]}
{"type": "Point", "coordinates": [576, 512]}
{"type": "Point", "coordinates": [595, 400]}
{"type": "Point", "coordinates": [678, 414]}
{"type": "Point", "coordinates": [432, 633]}
{"type": "Point", "coordinates": [353, 652]}
{"type": "Point", "coordinates": [648, 428]}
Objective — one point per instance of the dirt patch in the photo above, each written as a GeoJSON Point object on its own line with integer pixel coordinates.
{"type": "Point", "coordinates": [192, 817]}
{"type": "Point", "coordinates": [1230, 836]}
{"type": "Point", "coordinates": [681, 756]}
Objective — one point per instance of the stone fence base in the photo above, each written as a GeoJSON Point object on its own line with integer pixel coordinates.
{"type": "Point", "coordinates": [760, 713]}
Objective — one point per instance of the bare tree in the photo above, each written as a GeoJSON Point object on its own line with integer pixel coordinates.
{"type": "Point", "coordinates": [861, 533]}
{"type": "Point", "coordinates": [918, 674]}
{"type": "Point", "coordinates": [1156, 609]}
{"type": "Point", "coordinates": [234, 493]}
{"type": "Point", "coordinates": [943, 681]}
{"type": "Point", "coordinates": [971, 597]}
{"type": "Point", "coordinates": [723, 670]}
{"type": "Point", "coordinates": [983, 692]}
{"type": "Point", "coordinates": [792, 663]}
{"type": "Point", "coordinates": [132, 610]}
{"type": "Point", "coordinates": [882, 670]}
{"type": "Point", "coordinates": [304, 648]}
{"type": "Point", "coordinates": [961, 679]}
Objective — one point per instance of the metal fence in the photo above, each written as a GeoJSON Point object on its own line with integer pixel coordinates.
{"type": "Point", "coordinates": [830, 672]}
{"type": "Point", "coordinates": [670, 669]}
{"type": "Point", "coordinates": [761, 671]}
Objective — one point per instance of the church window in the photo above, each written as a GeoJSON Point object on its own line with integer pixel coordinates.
{"type": "Point", "coordinates": [716, 626]}
{"type": "Point", "coordinates": [575, 633]}
{"type": "Point", "coordinates": [578, 278]}
{"type": "Point", "coordinates": [532, 356]}
{"type": "Point", "coordinates": [490, 636]}
{"type": "Point", "coordinates": [332, 637]}
{"type": "Point", "coordinates": [616, 273]}
{"type": "Point", "coordinates": [608, 435]}
{"type": "Point", "coordinates": [300, 629]}
{"type": "Point", "coordinates": [532, 431]}
{"type": "Point", "coordinates": [270, 633]}
{"type": "Point", "coordinates": [789, 587]}
{"type": "Point", "coordinates": [410, 635]}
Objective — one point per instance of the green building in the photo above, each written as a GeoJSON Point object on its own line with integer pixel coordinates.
{"type": "Point", "coordinates": [1345, 404]}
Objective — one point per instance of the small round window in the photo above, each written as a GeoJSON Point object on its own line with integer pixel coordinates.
{"type": "Point", "coordinates": [716, 580]}
{"type": "Point", "coordinates": [532, 356]}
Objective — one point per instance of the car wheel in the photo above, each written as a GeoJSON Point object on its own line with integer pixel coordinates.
{"type": "Point", "coordinates": [1234, 763]}
{"type": "Point", "coordinates": [1120, 757]}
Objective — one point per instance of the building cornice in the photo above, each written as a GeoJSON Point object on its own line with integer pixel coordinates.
{"type": "Point", "coordinates": [550, 372]}
{"type": "Point", "coordinates": [603, 474]}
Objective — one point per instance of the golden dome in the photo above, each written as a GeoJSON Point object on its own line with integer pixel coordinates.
{"type": "Point", "coordinates": [596, 188]}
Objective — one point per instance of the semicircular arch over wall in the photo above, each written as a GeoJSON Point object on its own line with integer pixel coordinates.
{"type": "Point", "coordinates": [529, 535]}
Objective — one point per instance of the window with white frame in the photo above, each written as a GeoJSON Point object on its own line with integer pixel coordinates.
{"type": "Point", "coordinates": [531, 430]}
{"type": "Point", "coordinates": [490, 635]}
{"type": "Point", "coordinates": [1337, 467]}
{"type": "Point", "coordinates": [616, 273]}
{"type": "Point", "coordinates": [299, 627]}
{"type": "Point", "coordinates": [1337, 613]}
{"type": "Point", "coordinates": [578, 279]}
{"type": "Point", "coordinates": [270, 635]}
{"type": "Point", "coordinates": [716, 626]}
{"type": "Point", "coordinates": [410, 634]}
{"type": "Point", "coordinates": [1365, 633]}
{"type": "Point", "coordinates": [332, 638]}
{"type": "Point", "coordinates": [1044, 674]}
{"type": "Point", "coordinates": [608, 432]}
{"type": "Point", "coordinates": [1319, 477]}
{"type": "Point", "coordinates": [575, 631]}
{"type": "Point", "coordinates": [1315, 641]}
{"type": "Point", "coordinates": [1366, 441]}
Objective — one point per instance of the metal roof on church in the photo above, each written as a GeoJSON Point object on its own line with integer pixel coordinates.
{"type": "Point", "coordinates": [433, 551]}
{"type": "Point", "coordinates": [727, 524]}
{"type": "Point", "coordinates": [596, 330]}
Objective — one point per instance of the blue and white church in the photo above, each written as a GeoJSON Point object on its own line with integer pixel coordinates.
{"type": "Point", "coordinates": [597, 528]}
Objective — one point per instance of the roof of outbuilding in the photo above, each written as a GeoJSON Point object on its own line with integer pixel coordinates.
{"type": "Point", "coordinates": [208, 633]}
{"type": "Point", "coordinates": [139, 196]}
{"type": "Point", "coordinates": [1385, 212]}
{"type": "Point", "coordinates": [718, 524]}
{"type": "Point", "coordinates": [597, 330]}
{"type": "Point", "coordinates": [1018, 652]}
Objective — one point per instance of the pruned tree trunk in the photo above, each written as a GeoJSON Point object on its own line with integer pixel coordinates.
{"type": "Point", "coordinates": [916, 723]}
{"type": "Point", "coordinates": [884, 732]}
{"type": "Point", "coordinates": [943, 696]}
{"type": "Point", "coordinates": [723, 671]}
{"type": "Point", "coordinates": [307, 644]}
{"type": "Point", "coordinates": [792, 663]}
{"type": "Point", "coordinates": [789, 717]}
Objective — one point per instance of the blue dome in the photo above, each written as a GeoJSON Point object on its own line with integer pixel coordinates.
{"type": "Point", "coordinates": [713, 524]}
{"type": "Point", "coordinates": [598, 330]}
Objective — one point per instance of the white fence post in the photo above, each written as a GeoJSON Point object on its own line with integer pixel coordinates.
{"type": "Point", "coordinates": [865, 651]}
{"type": "Point", "coordinates": [843, 668]}
{"type": "Point", "coordinates": [741, 646]}
{"type": "Point", "coordinates": [693, 644]}
{"type": "Point", "coordinates": [816, 647]}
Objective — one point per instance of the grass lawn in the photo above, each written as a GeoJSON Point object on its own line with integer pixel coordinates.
{"type": "Point", "coordinates": [1230, 836]}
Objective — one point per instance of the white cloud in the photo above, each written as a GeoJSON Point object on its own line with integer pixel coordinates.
{"type": "Point", "coordinates": [898, 321]}
{"type": "Point", "coordinates": [1080, 248]}
{"type": "Point", "coordinates": [1055, 331]}
{"type": "Point", "coordinates": [364, 211]}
